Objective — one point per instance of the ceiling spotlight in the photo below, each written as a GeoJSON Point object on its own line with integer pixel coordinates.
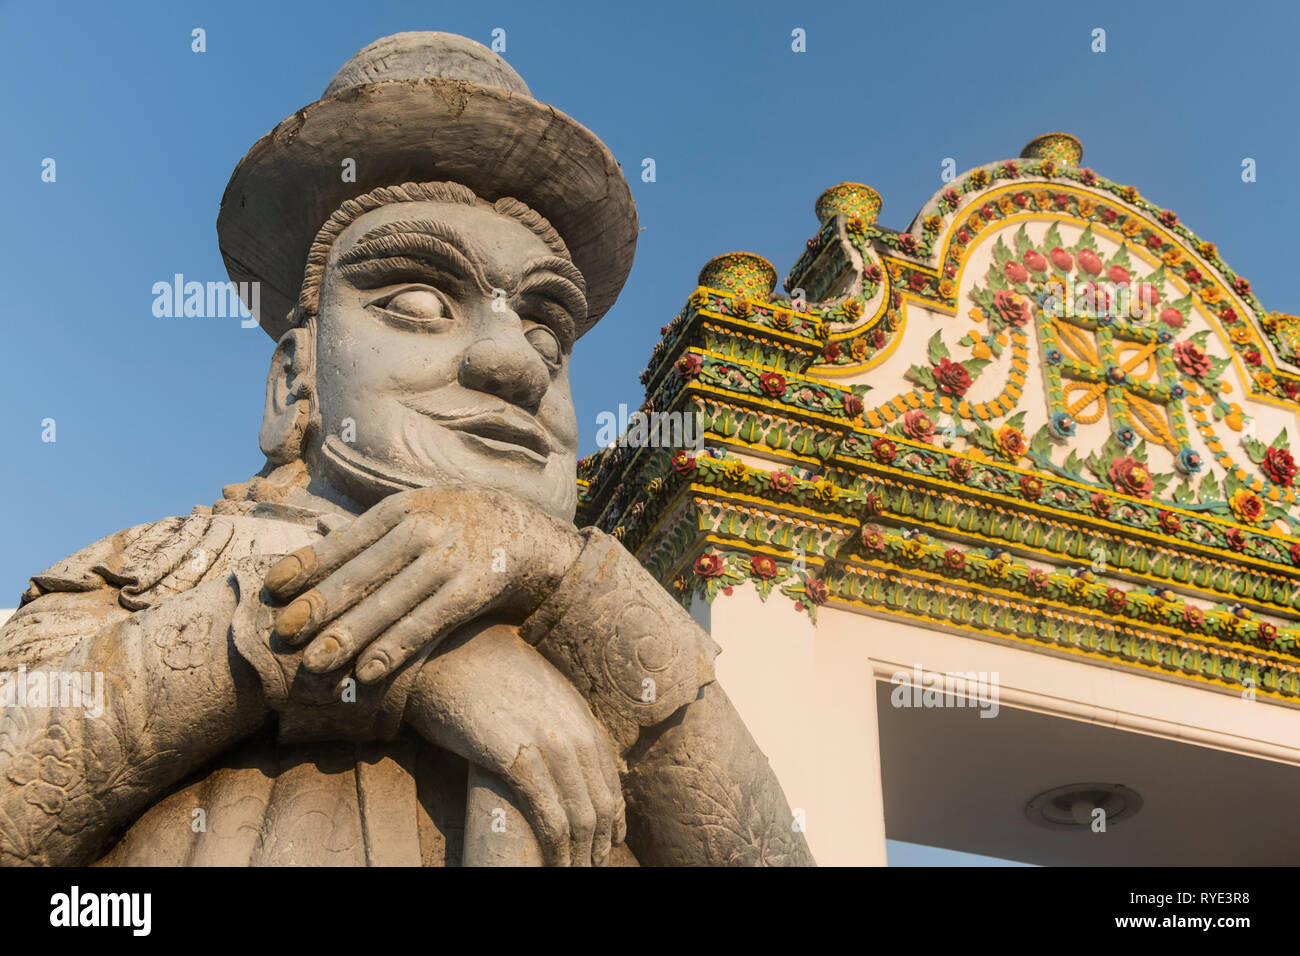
{"type": "Point", "coordinates": [1073, 807]}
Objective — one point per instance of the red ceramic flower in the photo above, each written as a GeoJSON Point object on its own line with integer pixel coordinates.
{"type": "Point", "coordinates": [1061, 259]}
{"type": "Point", "coordinates": [1190, 359]}
{"type": "Point", "coordinates": [688, 366]}
{"type": "Point", "coordinates": [959, 469]}
{"type": "Point", "coordinates": [952, 378]}
{"type": "Point", "coordinates": [1241, 287]}
{"type": "Point", "coordinates": [781, 481]}
{"type": "Point", "coordinates": [1236, 539]}
{"type": "Point", "coordinates": [1170, 522]}
{"type": "Point", "coordinates": [762, 567]}
{"type": "Point", "coordinates": [873, 540]}
{"type": "Point", "coordinates": [1037, 578]}
{"type": "Point", "coordinates": [1131, 477]}
{"type": "Point", "coordinates": [1116, 598]}
{"type": "Point", "coordinates": [917, 426]}
{"type": "Point", "coordinates": [1031, 487]}
{"type": "Point", "coordinates": [1101, 505]}
{"type": "Point", "coordinates": [1035, 261]}
{"type": "Point", "coordinates": [1118, 275]}
{"type": "Point", "coordinates": [772, 384]}
{"type": "Point", "coordinates": [1193, 616]}
{"type": "Point", "coordinates": [1267, 632]}
{"type": "Point", "coordinates": [852, 405]}
{"type": "Point", "coordinates": [1295, 553]}
{"type": "Point", "coordinates": [1012, 306]}
{"type": "Point", "coordinates": [683, 463]}
{"type": "Point", "coordinates": [1172, 318]}
{"type": "Point", "coordinates": [954, 560]}
{"type": "Point", "coordinates": [917, 281]}
{"type": "Point", "coordinates": [709, 565]}
{"type": "Point", "coordinates": [817, 591]}
{"type": "Point", "coordinates": [1015, 271]}
{"type": "Point", "coordinates": [884, 450]}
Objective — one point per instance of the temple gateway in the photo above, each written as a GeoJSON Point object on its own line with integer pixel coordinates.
{"type": "Point", "coordinates": [1027, 460]}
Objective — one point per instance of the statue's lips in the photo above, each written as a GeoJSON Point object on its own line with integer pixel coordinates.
{"type": "Point", "coordinates": [503, 434]}
{"type": "Point", "coordinates": [501, 428]}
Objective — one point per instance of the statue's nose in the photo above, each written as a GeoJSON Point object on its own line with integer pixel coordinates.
{"type": "Point", "coordinates": [508, 367]}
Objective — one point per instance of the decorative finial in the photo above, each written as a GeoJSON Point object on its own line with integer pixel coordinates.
{"type": "Point", "coordinates": [1061, 148]}
{"type": "Point", "coordinates": [854, 200]}
{"type": "Point", "coordinates": [740, 273]}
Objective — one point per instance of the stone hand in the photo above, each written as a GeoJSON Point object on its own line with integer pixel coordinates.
{"type": "Point", "coordinates": [491, 698]}
{"type": "Point", "coordinates": [413, 568]}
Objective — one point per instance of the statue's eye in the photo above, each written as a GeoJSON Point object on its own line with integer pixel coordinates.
{"type": "Point", "coordinates": [417, 305]}
{"type": "Point", "coordinates": [547, 345]}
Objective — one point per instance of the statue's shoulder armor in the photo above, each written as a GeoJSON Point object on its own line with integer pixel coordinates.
{"type": "Point", "coordinates": [150, 562]}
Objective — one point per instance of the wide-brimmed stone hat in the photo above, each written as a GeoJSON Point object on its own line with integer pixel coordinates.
{"type": "Point", "coordinates": [423, 107]}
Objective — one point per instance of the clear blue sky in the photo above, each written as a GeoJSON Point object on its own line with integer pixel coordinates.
{"type": "Point", "coordinates": [154, 415]}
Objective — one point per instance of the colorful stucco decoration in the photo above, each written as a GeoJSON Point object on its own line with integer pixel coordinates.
{"type": "Point", "coordinates": [1047, 413]}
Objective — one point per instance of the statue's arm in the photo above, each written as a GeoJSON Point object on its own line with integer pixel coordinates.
{"type": "Point", "coordinates": [699, 791]}
{"type": "Point", "coordinates": [172, 694]}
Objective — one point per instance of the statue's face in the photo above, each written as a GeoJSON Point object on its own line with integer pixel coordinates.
{"type": "Point", "coordinates": [443, 338]}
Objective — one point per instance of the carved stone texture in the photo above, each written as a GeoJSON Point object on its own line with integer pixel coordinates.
{"type": "Point", "coordinates": [392, 646]}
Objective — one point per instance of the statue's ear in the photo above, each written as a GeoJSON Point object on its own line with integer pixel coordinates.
{"type": "Point", "coordinates": [289, 396]}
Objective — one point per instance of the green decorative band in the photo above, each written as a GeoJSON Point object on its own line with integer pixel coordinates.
{"type": "Point", "coordinates": [1056, 597]}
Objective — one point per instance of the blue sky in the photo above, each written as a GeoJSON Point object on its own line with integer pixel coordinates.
{"type": "Point", "coordinates": [155, 415]}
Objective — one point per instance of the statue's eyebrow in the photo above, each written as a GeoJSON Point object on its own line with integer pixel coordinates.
{"type": "Point", "coordinates": [560, 280]}
{"type": "Point", "coordinates": [408, 241]}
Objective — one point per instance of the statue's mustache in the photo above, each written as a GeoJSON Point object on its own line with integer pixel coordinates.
{"type": "Point", "coordinates": [491, 419]}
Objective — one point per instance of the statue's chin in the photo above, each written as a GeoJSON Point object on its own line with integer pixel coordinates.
{"type": "Point", "coordinates": [363, 479]}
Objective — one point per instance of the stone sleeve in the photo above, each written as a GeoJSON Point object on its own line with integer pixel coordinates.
{"type": "Point", "coordinates": [632, 651]}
